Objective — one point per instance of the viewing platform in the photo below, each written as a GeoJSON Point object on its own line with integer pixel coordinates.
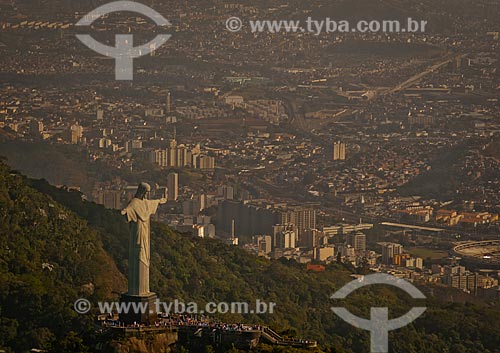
{"type": "Point", "coordinates": [197, 334]}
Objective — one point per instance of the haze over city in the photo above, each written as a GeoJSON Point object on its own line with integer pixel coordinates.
{"type": "Point", "coordinates": [240, 166]}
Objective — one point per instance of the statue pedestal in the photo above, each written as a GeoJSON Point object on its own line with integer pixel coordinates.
{"type": "Point", "coordinates": [142, 309]}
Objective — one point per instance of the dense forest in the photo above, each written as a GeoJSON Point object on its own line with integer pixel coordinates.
{"type": "Point", "coordinates": [56, 248]}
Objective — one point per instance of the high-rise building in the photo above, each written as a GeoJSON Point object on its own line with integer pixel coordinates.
{"type": "Point", "coordinates": [401, 259]}
{"type": "Point", "coordinates": [181, 156]}
{"type": "Point", "coordinates": [285, 239]}
{"type": "Point", "coordinates": [194, 205]}
{"type": "Point", "coordinates": [255, 218]}
{"type": "Point", "coordinates": [227, 192]}
{"type": "Point", "coordinates": [109, 198]}
{"type": "Point", "coordinates": [206, 162]}
{"type": "Point", "coordinates": [454, 270]}
{"type": "Point", "coordinates": [323, 253]}
{"type": "Point", "coordinates": [250, 219]}
{"type": "Point", "coordinates": [201, 202]}
{"type": "Point", "coordinates": [311, 238]}
{"type": "Point", "coordinates": [136, 144]}
{"type": "Point", "coordinates": [339, 151]}
{"type": "Point", "coordinates": [469, 281]}
{"type": "Point", "coordinates": [169, 103]}
{"type": "Point", "coordinates": [172, 154]}
{"type": "Point", "coordinates": [204, 231]}
{"type": "Point", "coordinates": [184, 156]}
{"type": "Point", "coordinates": [284, 236]}
{"type": "Point", "coordinates": [389, 250]}
{"type": "Point", "coordinates": [264, 244]}
{"type": "Point", "coordinates": [75, 133]}
{"type": "Point", "coordinates": [303, 218]}
{"type": "Point", "coordinates": [173, 186]}
{"type": "Point", "coordinates": [357, 241]}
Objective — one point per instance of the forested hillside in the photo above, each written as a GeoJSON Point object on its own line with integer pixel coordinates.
{"type": "Point", "coordinates": [48, 258]}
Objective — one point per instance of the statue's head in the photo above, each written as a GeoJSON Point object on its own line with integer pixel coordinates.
{"type": "Point", "coordinates": [142, 191]}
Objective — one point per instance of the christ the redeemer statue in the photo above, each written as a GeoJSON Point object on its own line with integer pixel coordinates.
{"type": "Point", "coordinates": [138, 213]}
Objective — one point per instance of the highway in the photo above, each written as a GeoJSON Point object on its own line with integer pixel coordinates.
{"type": "Point", "coordinates": [416, 78]}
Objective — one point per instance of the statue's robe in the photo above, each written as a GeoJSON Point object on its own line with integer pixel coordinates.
{"type": "Point", "coordinates": [138, 213]}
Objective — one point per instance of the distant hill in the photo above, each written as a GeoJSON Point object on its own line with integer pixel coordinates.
{"type": "Point", "coordinates": [381, 49]}
{"type": "Point", "coordinates": [61, 165]}
{"type": "Point", "coordinates": [444, 177]}
{"type": "Point", "coordinates": [54, 246]}
{"type": "Point", "coordinates": [492, 149]}
{"type": "Point", "coordinates": [368, 9]}
{"type": "Point", "coordinates": [6, 135]}
{"type": "Point", "coordinates": [441, 14]}
{"type": "Point", "coordinates": [64, 164]}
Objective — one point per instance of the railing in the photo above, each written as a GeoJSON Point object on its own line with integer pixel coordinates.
{"type": "Point", "coordinates": [275, 338]}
